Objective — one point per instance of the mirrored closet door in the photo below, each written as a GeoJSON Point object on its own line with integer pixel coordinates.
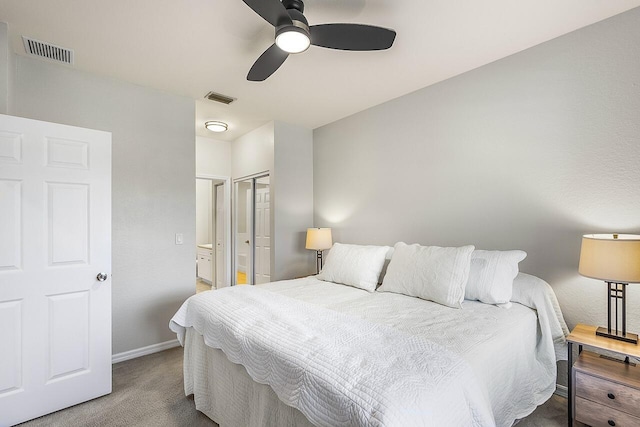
{"type": "Point", "coordinates": [252, 230]}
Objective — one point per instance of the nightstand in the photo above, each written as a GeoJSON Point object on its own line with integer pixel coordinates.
{"type": "Point", "coordinates": [602, 391]}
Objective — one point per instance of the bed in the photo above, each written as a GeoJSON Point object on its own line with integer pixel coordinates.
{"type": "Point", "coordinates": [313, 352]}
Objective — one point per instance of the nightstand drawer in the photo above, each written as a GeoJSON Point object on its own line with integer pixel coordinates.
{"type": "Point", "coordinates": [608, 393]}
{"type": "Point", "coordinates": [597, 415]}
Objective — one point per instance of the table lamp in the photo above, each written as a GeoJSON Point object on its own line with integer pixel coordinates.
{"type": "Point", "coordinates": [614, 258]}
{"type": "Point", "coordinates": [319, 239]}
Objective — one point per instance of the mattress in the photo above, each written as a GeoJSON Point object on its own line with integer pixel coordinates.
{"type": "Point", "coordinates": [511, 352]}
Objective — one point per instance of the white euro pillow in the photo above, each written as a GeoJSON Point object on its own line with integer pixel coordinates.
{"type": "Point", "coordinates": [354, 265]}
{"type": "Point", "coordinates": [491, 275]}
{"type": "Point", "coordinates": [429, 272]}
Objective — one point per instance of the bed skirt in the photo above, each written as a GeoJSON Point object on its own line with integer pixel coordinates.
{"type": "Point", "coordinates": [224, 392]}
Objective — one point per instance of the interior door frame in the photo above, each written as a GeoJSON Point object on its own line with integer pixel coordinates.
{"type": "Point", "coordinates": [228, 231]}
{"type": "Point", "coordinates": [252, 248]}
{"type": "Point", "coordinates": [215, 283]}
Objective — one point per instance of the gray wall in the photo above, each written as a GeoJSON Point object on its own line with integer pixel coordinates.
{"type": "Point", "coordinates": [529, 152]}
{"type": "Point", "coordinates": [293, 193]}
{"type": "Point", "coordinates": [153, 194]}
{"type": "Point", "coordinates": [6, 68]}
{"type": "Point", "coordinates": [285, 151]}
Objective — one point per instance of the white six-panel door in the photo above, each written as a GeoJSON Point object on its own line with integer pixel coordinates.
{"type": "Point", "coordinates": [263, 236]}
{"type": "Point", "coordinates": [55, 239]}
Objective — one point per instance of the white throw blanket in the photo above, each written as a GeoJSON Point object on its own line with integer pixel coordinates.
{"type": "Point", "coordinates": [337, 369]}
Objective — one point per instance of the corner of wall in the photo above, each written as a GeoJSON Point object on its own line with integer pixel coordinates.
{"type": "Point", "coordinates": [6, 64]}
{"type": "Point", "coordinates": [293, 180]}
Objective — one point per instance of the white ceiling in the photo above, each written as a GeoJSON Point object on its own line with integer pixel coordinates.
{"type": "Point", "coordinates": [191, 47]}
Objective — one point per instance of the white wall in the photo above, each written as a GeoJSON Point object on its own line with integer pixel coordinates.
{"type": "Point", "coordinates": [152, 187]}
{"type": "Point", "coordinates": [204, 212]}
{"type": "Point", "coordinates": [213, 157]}
{"type": "Point", "coordinates": [252, 153]}
{"type": "Point", "coordinates": [529, 152]}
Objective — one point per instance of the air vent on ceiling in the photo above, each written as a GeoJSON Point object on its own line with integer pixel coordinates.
{"type": "Point", "coordinates": [219, 98]}
{"type": "Point", "coordinates": [47, 50]}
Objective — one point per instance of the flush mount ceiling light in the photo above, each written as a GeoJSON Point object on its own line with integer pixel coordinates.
{"type": "Point", "coordinates": [216, 126]}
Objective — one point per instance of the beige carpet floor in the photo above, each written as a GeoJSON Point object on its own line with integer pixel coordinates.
{"type": "Point", "coordinates": [148, 391]}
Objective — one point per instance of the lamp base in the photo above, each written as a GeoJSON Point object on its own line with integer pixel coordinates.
{"type": "Point", "coordinates": [629, 337]}
{"type": "Point", "coordinates": [318, 261]}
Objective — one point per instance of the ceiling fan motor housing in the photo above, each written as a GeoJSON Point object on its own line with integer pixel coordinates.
{"type": "Point", "coordinates": [294, 4]}
{"type": "Point", "coordinates": [298, 19]}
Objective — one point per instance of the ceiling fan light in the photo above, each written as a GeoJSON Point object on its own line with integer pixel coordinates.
{"type": "Point", "coordinates": [292, 40]}
{"type": "Point", "coordinates": [216, 126]}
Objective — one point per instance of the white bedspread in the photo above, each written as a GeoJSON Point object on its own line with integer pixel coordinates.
{"type": "Point", "coordinates": [510, 351]}
{"type": "Point", "coordinates": [337, 369]}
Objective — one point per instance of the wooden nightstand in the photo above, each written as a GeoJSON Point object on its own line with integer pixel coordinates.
{"type": "Point", "coordinates": [602, 391]}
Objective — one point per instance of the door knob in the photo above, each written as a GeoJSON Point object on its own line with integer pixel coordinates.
{"type": "Point", "coordinates": [246, 241]}
{"type": "Point", "coordinates": [101, 277]}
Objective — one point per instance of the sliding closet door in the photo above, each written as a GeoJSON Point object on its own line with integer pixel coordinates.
{"type": "Point", "coordinates": [243, 232]}
{"type": "Point", "coordinates": [252, 231]}
{"type": "Point", "coordinates": [262, 239]}
{"type": "Point", "coordinates": [55, 267]}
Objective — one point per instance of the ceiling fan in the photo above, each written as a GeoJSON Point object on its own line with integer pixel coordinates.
{"type": "Point", "coordinates": [294, 35]}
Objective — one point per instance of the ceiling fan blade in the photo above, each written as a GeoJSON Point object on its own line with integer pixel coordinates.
{"type": "Point", "coordinates": [271, 10]}
{"type": "Point", "coordinates": [267, 64]}
{"type": "Point", "coordinates": [351, 36]}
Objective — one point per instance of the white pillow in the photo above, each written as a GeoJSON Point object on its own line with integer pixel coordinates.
{"type": "Point", "coordinates": [429, 272]}
{"type": "Point", "coordinates": [354, 265]}
{"type": "Point", "coordinates": [491, 275]}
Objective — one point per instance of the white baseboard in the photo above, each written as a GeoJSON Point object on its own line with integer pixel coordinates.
{"type": "Point", "coordinates": [143, 351]}
{"type": "Point", "coordinates": [562, 390]}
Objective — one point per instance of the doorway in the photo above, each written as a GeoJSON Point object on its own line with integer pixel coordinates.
{"type": "Point", "coordinates": [252, 234]}
{"type": "Point", "coordinates": [212, 233]}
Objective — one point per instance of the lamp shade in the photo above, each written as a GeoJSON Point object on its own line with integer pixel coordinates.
{"type": "Point", "coordinates": [611, 257]}
{"type": "Point", "coordinates": [319, 239]}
